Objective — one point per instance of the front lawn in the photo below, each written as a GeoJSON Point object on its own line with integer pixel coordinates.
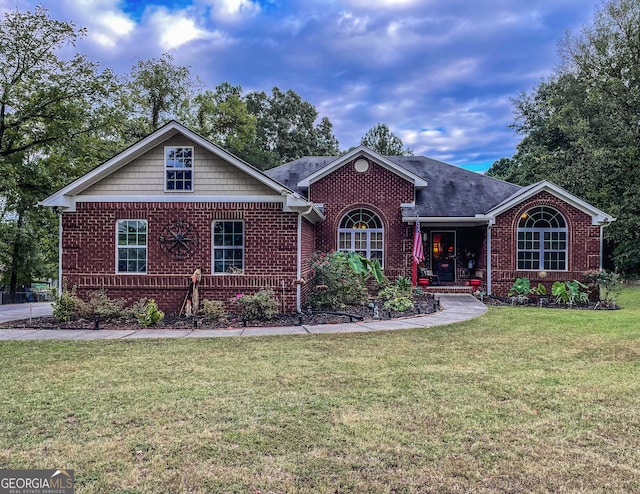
{"type": "Point", "coordinates": [520, 400]}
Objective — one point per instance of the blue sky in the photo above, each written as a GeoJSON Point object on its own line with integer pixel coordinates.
{"type": "Point", "coordinates": [440, 73]}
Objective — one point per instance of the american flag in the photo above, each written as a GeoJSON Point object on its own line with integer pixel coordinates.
{"type": "Point", "coordinates": [418, 252]}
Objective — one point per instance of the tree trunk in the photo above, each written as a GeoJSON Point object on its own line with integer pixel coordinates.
{"type": "Point", "coordinates": [15, 253]}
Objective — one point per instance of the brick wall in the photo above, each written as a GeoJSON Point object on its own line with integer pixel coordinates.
{"type": "Point", "coordinates": [583, 245]}
{"type": "Point", "coordinates": [89, 251]}
{"type": "Point", "coordinates": [377, 189]}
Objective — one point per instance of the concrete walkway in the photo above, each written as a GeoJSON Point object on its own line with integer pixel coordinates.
{"type": "Point", "coordinates": [456, 308]}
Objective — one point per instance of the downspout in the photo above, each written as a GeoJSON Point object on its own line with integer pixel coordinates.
{"type": "Point", "coordinates": [489, 259]}
{"type": "Point", "coordinates": [299, 263]}
{"type": "Point", "coordinates": [59, 253]}
{"type": "Point", "coordinates": [601, 261]}
{"type": "Point", "coordinates": [299, 260]}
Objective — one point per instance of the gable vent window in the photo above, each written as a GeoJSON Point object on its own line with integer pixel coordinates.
{"type": "Point", "coordinates": [178, 166]}
{"type": "Point", "coordinates": [542, 240]}
{"type": "Point", "coordinates": [361, 231]}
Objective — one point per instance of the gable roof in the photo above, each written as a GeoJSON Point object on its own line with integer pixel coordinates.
{"type": "Point", "coordinates": [451, 191]}
{"type": "Point", "coordinates": [335, 163]}
{"type": "Point", "coordinates": [598, 217]}
{"type": "Point", "coordinates": [64, 197]}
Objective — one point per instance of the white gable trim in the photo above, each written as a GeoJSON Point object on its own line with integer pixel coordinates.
{"type": "Point", "coordinates": [598, 217]}
{"type": "Point", "coordinates": [363, 151]}
{"type": "Point", "coordinates": [60, 198]}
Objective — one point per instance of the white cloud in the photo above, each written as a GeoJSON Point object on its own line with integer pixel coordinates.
{"type": "Point", "coordinates": [232, 10]}
{"type": "Point", "coordinates": [106, 23]}
{"type": "Point", "coordinates": [174, 29]}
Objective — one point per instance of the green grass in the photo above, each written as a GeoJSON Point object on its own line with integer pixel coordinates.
{"type": "Point", "coordinates": [520, 400]}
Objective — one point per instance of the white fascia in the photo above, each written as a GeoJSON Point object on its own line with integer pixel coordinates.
{"type": "Point", "coordinates": [418, 182]}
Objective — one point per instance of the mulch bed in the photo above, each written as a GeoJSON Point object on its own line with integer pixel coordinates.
{"type": "Point", "coordinates": [544, 303]}
{"type": "Point", "coordinates": [424, 304]}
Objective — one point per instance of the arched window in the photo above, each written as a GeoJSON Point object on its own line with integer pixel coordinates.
{"type": "Point", "coordinates": [542, 240]}
{"type": "Point", "coordinates": [361, 231]}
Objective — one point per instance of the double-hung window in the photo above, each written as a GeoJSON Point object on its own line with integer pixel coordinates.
{"type": "Point", "coordinates": [178, 169]}
{"type": "Point", "coordinates": [542, 240]}
{"type": "Point", "coordinates": [131, 251]}
{"type": "Point", "coordinates": [228, 247]}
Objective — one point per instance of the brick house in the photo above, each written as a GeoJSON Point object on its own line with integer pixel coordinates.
{"type": "Point", "coordinates": [139, 224]}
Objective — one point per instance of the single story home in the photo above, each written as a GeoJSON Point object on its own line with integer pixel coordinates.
{"type": "Point", "coordinates": [139, 224]}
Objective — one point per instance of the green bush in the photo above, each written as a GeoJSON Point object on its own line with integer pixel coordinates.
{"type": "Point", "coordinates": [404, 284]}
{"type": "Point", "coordinates": [65, 306]}
{"type": "Point", "coordinates": [213, 310]}
{"type": "Point", "coordinates": [100, 305]}
{"type": "Point", "coordinates": [570, 292]}
{"type": "Point", "coordinates": [261, 306]}
{"type": "Point", "coordinates": [609, 285]}
{"type": "Point", "coordinates": [337, 284]}
{"type": "Point", "coordinates": [522, 286]}
{"type": "Point", "coordinates": [397, 297]}
{"type": "Point", "coordinates": [150, 314]}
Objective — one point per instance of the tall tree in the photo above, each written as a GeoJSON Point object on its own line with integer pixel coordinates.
{"type": "Point", "coordinates": [380, 139]}
{"type": "Point", "coordinates": [45, 99]}
{"type": "Point", "coordinates": [327, 144]}
{"type": "Point", "coordinates": [222, 116]}
{"type": "Point", "coordinates": [49, 106]}
{"type": "Point", "coordinates": [286, 127]}
{"type": "Point", "coordinates": [156, 91]}
{"type": "Point", "coordinates": [581, 128]}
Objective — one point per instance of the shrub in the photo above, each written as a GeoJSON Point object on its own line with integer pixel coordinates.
{"type": "Point", "coordinates": [398, 296]}
{"type": "Point", "coordinates": [66, 304]}
{"type": "Point", "coordinates": [522, 286]}
{"type": "Point", "coordinates": [570, 292]}
{"type": "Point", "coordinates": [261, 306]}
{"type": "Point", "coordinates": [404, 284]}
{"type": "Point", "coordinates": [213, 309]}
{"type": "Point", "coordinates": [609, 285]}
{"type": "Point", "coordinates": [99, 304]}
{"type": "Point", "coordinates": [150, 314]}
{"type": "Point", "coordinates": [337, 283]}
{"type": "Point", "coordinates": [396, 300]}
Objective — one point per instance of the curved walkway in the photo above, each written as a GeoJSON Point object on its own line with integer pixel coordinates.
{"type": "Point", "coordinates": [456, 308]}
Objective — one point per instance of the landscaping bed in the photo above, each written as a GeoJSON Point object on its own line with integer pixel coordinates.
{"type": "Point", "coordinates": [424, 303]}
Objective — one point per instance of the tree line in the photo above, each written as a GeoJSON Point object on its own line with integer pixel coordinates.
{"type": "Point", "coordinates": [61, 117]}
{"type": "Point", "coordinates": [580, 127]}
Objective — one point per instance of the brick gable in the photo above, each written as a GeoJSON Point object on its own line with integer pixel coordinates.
{"type": "Point", "coordinates": [583, 244]}
{"type": "Point", "coordinates": [377, 189]}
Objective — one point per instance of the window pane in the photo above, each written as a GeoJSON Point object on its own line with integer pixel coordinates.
{"type": "Point", "coordinates": [228, 252]}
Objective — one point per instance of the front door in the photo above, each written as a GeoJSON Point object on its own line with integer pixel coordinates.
{"type": "Point", "coordinates": [443, 254]}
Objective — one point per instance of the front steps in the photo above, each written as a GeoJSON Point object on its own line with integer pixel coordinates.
{"type": "Point", "coordinates": [453, 289]}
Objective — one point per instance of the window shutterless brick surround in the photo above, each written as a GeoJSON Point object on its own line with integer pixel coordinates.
{"type": "Point", "coordinates": [376, 189]}
{"type": "Point", "coordinates": [89, 251]}
{"type": "Point", "coordinates": [583, 245]}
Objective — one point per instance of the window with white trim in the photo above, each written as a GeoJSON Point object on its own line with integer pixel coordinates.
{"type": "Point", "coordinates": [131, 250]}
{"type": "Point", "coordinates": [361, 231]}
{"type": "Point", "coordinates": [542, 240]}
{"type": "Point", "coordinates": [178, 169]}
{"type": "Point", "coordinates": [228, 246]}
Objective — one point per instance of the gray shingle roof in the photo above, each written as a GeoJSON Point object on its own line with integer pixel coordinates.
{"type": "Point", "coordinates": [452, 191]}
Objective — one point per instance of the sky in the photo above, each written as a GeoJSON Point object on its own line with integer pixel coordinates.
{"type": "Point", "coordinates": [442, 74]}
